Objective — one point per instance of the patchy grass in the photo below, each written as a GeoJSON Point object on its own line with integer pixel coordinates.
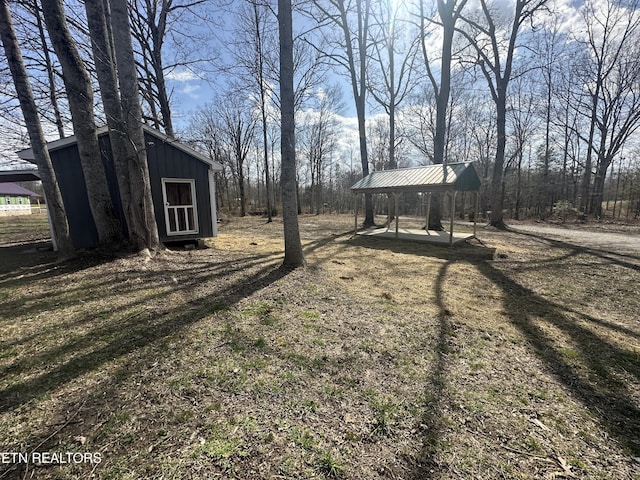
{"type": "Point", "coordinates": [519, 358]}
{"type": "Point", "coordinates": [23, 229]}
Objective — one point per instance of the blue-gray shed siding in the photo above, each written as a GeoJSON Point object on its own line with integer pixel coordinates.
{"type": "Point", "coordinates": [66, 163]}
{"type": "Point", "coordinates": [164, 160]}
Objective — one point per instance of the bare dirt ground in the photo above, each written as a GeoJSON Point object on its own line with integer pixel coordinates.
{"type": "Point", "coordinates": [513, 357]}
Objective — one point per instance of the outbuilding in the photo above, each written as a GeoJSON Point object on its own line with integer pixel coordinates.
{"type": "Point", "coordinates": [449, 178]}
{"type": "Point", "coordinates": [15, 200]}
{"type": "Point", "coordinates": [182, 187]}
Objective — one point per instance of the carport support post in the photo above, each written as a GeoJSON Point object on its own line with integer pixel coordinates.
{"type": "Point", "coordinates": [426, 224]}
{"type": "Point", "coordinates": [388, 211]}
{"type": "Point", "coordinates": [453, 214]}
{"type": "Point", "coordinates": [355, 209]}
{"type": "Point", "coordinates": [396, 212]}
{"type": "Point", "coordinates": [475, 213]}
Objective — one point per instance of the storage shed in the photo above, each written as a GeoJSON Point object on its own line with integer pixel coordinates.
{"type": "Point", "coordinates": [448, 178]}
{"type": "Point", "coordinates": [182, 187]}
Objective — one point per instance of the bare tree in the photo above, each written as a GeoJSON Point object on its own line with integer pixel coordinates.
{"type": "Point", "coordinates": [393, 53]}
{"type": "Point", "coordinates": [318, 139]}
{"type": "Point", "coordinates": [48, 64]}
{"type": "Point", "coordinates": [38, 142]}
{"type": "Point", "coordinates": [41, 64]}
{"type": "Point", "coordinates": [610, 74]}
{"type": "Point", "coordinates": [122, 110]}
{"type": "Point", "coordinates": [253, 64]}
{"type": "Point", "coordinates": [352, 19]}
{"type": "Point", "coordinates": [153, 27]}
{"type": "Point", "coordinates": [522, 120]}
{"type": "Point", "coordinates": [206, 131]}
{"type": "Point", "coordinates": [495, 46]}
{"type": "Point", "coordinates": [293, 254]}
{"type": "Point", "coordinates": [80, 95]}
{"type": "Point", "coordinates": [449, 12]}
{"type": "Point", "coordinates": [239, 123]}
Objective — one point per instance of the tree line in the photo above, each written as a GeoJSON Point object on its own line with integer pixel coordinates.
{"type": "Point", "coordinates": [542, 95]}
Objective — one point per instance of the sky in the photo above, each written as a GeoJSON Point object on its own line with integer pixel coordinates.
{"type": "Point", "coordinates": [190, 90]}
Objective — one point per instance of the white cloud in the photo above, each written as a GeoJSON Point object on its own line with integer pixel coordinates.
{"type": "Point", "coordinates": [182, 76]}
{"type": "Point", "coordinates": [191, 90]}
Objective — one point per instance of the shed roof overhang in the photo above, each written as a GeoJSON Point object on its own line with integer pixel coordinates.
{"type": "Point", "coordinates": [28, 155]}
{"type": "Point", "coordinates": [22, 175]}
{"type": "Point", "coordinates": [429, 178]}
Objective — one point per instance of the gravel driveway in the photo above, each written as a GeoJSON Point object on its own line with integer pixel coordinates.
{"type": "Point", "coordinates": [628, 243]}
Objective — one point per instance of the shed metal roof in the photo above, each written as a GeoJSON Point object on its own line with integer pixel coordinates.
{"type": "Point", "coordinates": [27, 154]}
{"type": "Point", "coordinates": [429, 178]}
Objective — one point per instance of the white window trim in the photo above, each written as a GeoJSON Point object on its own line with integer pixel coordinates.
{"type": "Point", "coordinates": [192, 182]}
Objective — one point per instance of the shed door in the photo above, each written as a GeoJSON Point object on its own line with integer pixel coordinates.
{"type": "Point", "coordinates": [180, 209]}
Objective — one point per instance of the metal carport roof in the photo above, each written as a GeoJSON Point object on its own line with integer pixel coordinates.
{"type": "Point", "coordinates": [430, 178]}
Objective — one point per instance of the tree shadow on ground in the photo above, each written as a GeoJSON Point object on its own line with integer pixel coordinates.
{"type": "Point", "coordinates": [593, 370]}
{"type": "Point", "coordinates": [31, 262]}
{"type": "Point", "coordinates": [105, 342]}
{"type": "Point", "coordinates": [462, 251]}
{"type": "Point", "coordinates": [626, 260]}
{"type": "Point", "coordinates": [598, 379]}
{"type": "Point", "coordinates": [129, 336]}
{"type": "Point", "coordinates": [425, 464]}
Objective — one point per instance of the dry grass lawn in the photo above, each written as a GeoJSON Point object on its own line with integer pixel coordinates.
{"type": "Point", "coordinates": [514, 358]}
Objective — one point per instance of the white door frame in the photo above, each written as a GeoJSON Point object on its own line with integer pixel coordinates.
{"type": "Point", "coordinates": [173, 209]}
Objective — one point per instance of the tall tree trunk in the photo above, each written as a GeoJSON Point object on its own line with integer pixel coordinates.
{"type": "Point", "coordinates": [358, 76]}
{"type": "Point", "coordinates": [598, 184]}
{"type": "Point", "coordinates": [364, 158]}
{"type": "Point", "coordinates": [449, 12]}
{"type": "Point", "coordinates": [263, 109]}
{"type": "Point", "coordinates": [241, 185]}
{"type": "Point", "coordinates": [363, 29]}
{"type": "Point", "coordinates": [163, 98]}
{"type": "Point", "coordinates": [142, 211]}
{"type": "Point", "coordinates": [293, 254]}
{"type": "Point", "coordinates": [496, 197]}
{"type": "Point", "coordinates": [585, 181]}
{"type": "Point", "coordinates": [267, 180]}
{"type": "Point", "coordinates": [55, 205]}
{"type": "Point", "coordinates": [80, 96]}
{"type": "Point", "coordinates": [53, 96]}
{"type": "Point", "coordinates": [123, 150]}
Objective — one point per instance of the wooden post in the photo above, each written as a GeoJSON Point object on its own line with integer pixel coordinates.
{"type": "Point", "coordinates": [355, 228]}
{"type": "Point", "coordinates": [475, 214]}
{"type": "Point", "coordinates": [453, 214]}
{"type": "Point", "coordinates": [426, 225]}
{"type": "Point", "coordinates": [388, 211]}
{"type": "Point", "coordinates": [396, 212]}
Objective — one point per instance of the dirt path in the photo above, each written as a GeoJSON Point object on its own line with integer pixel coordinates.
{"type": "Point", "coordinates": [603, 240]}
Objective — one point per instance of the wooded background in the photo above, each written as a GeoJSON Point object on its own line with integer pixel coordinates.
{"type": "Point", "coordinates": [543, 95]}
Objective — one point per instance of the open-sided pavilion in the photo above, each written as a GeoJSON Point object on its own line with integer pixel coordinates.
{"type": "Point", "coordinates": [448, 178]}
